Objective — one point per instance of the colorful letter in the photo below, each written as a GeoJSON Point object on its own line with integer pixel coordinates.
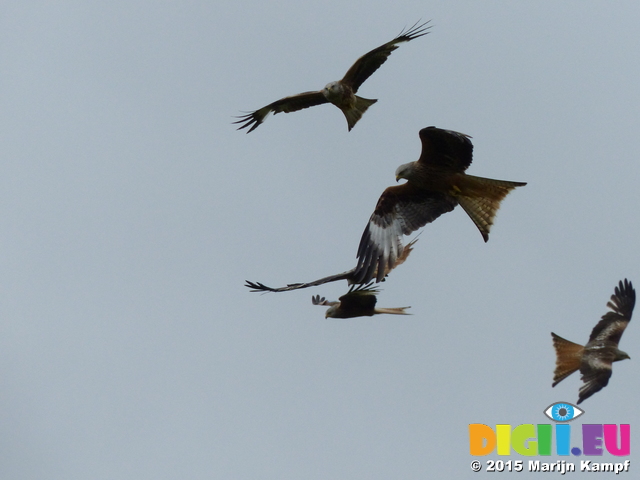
{"type": "Point", "coordinates": [611, 439]}
{"type": "Point", "coordinates": [563, 438]}
{"type": "Point", "coordinates": [544, 439]}
{"type": "Point", "coordinates": [592, 439]}
{"type": "Point", "coordinates": [503, 433]}
{"type": "Point", "coordinates": [478, 435]}
{"type": "Point", "coordinates": [521, 435]}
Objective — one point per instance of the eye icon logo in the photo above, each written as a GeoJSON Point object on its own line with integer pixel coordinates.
{"type": "Point", "coordinates": [563, 412]}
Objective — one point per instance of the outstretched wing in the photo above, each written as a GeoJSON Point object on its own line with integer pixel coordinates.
{"type": "Point", "coordinates": [445, 149]}
{"type": "Point", "coordinates": [600, 351]}
{"type": "Point", "coordinates": [596, 371]}
{"type": "Point", "coordinates": [348, 275]}
{"type": "Point", "coordinates": [610, 328]}
{"type": "Point", "coordinates": [286, 105]}
{"type": "Point", "coordinates": [371, 61]}
{"type": "Point", "coordinates": [259, 287]}
{"type": "Point", "coordinates": [400, 211]}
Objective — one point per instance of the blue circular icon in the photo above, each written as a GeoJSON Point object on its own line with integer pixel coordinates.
{"type": "Point", "coordinates": [562, 412]}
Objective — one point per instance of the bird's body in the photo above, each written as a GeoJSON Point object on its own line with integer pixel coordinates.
{"type": "Point", "coordinates": [359, 301]}
{"type": "Point", "coordinates": [595, 359]}
{"type": "Point", "coordinates": [343, 96]}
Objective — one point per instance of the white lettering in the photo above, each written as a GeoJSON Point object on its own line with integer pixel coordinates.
{"type": "Point", "coordinates": [589, 466]}
{"type": "Point", "coordinates": [561, 466]}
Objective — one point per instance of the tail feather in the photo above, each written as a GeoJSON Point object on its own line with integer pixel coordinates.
{"type": "Point", "coordinates": [568, 358]}
{"type": "Point", "coordinates": [393, 311]}
{"type": "Point", "coordinates": [480, 197]}
{"type": "Point", "coordinates": [354, 113]}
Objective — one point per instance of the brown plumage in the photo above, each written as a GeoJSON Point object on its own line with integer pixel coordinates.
{"type": "Point", "coordinates": [341, 93]}
{"type": "Point", "coordinates": [357, 302]}
{"type": "Point", "coordinates": [436, 183]}
{"type": "Point", "coordinates": [348, 276]}
{"type": "Point", "coordinates": [595, 359]}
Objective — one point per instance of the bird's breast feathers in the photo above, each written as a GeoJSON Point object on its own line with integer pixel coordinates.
{"type": "Point", "coordinates": [339, 94]}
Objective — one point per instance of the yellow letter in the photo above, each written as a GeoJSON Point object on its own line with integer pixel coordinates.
{"type": "Point", "coordinates": [504, 439]}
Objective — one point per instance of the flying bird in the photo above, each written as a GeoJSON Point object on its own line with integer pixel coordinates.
{"type": "Point", "coordinates": [348, 276]}
{"type": "Point", "coordinates": [341, 93]}
{"type": "Point", "coordinates": [595, 359]}
{"type": "Point", "coordinates": [436, 183]}
{"type": "Point", "coordinates": [359, 301]}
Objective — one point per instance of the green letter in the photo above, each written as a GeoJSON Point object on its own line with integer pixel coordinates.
{"type": "Point", "coordinates": [521, 435]}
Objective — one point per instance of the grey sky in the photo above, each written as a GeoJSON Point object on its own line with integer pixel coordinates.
{"type": "Point", "coordinates": [133, 211]}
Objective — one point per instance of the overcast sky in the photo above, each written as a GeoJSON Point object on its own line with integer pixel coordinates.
{"type": "Point", "coordinates": [132, 212]}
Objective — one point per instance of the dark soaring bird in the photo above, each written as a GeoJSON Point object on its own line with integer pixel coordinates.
{"type": "Point", "coordinates": [357, 302]}
{"type": "Point", "coordinates": [595, 359]}
{"type": "Point", "coordinates": [341, 93]}
{"type": "Point", "coordinates": [436, 183]}
{"type": "Point", "coordinates": [348, 276]}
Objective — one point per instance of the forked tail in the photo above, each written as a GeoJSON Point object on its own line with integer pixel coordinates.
{"type": "Point", "coordinates": [353, 114]}
{"type": "Point", "coordinates": [480, 197]}
{"type": "Point", "coordinates": [568, 358]}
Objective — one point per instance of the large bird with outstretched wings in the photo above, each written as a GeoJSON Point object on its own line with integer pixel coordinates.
{"type": "Point", "coordinates": [341, 93]}
{"type": "Point", "coordinates": [595, 359]}
{"type": "Point", "coordinates": [436, 184]}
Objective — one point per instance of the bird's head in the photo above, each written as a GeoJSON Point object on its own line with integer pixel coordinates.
{"type": "Point", "coordinates": [331, 311]}
{"type": "Point", "coordinates": [404, 171]}
{"type": "Point", "coordinates": [620, 355]}
{"type": "Point", "coordinates": [332, 90]}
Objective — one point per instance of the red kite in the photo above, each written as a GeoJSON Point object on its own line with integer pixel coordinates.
{"type": "Point", "coordinates": [436, 183]}
{"type": "Point", "coordinates": [595, 359]}
{"type": "Point", "coordinates": [341, 93]}
{"type": "Point", "coordinates": [357, 302]}
{"type": "Point", "coordinates": [348, 276]}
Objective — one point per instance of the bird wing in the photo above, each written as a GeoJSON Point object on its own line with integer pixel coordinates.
{"type": "Point", "coordinates": [367, 64]}
{"type": "Point", "coordinates": [348, 275]}
{"type": "Point", "coordinates": [445, 149]}
{"type": "Point", "coordinates": [596, 371]}
{"type": "Point", "coordinates": [400, 211]}
{"type": "Point", "coordinates": [286, 105]}
{"type": "Point", "coordinates": [259, 287]}
{"type": "Point", "coordinates": [613, 323]}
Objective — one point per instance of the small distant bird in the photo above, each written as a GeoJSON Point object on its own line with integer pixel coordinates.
{"type": "Point", "coordinates": [348, 276]}
{"type": "Point", "coordinates": [357, 302]}
{"type": "Point", "coordinates": [595, 359]}
{"type": "Point", "coordinates": [341, 93]}
{"type": "Point", "coordinates": [436, 183]}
